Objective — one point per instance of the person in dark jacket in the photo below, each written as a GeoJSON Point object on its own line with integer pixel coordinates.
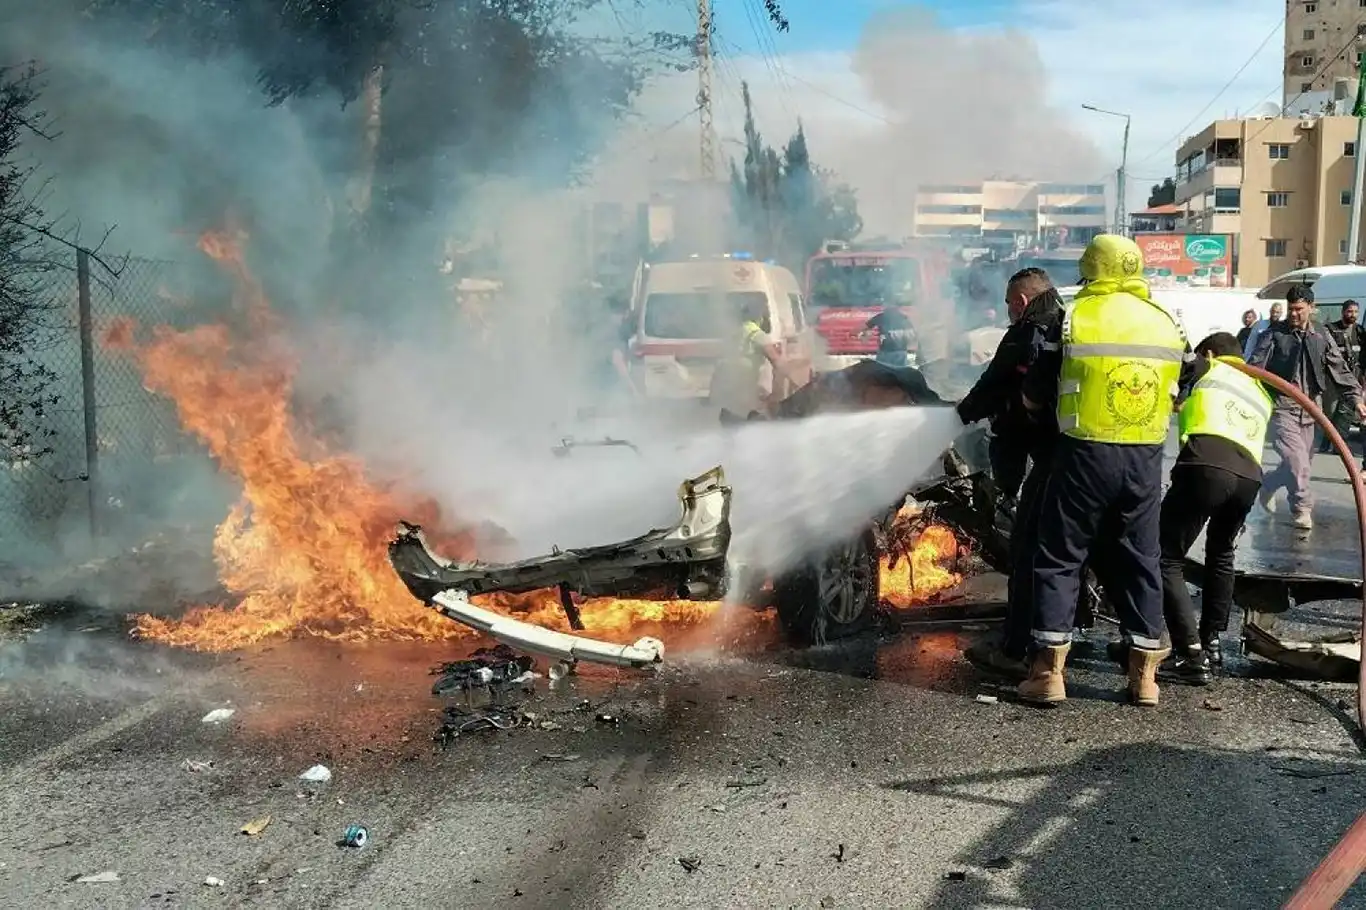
{"type": "Point", "coordinates": [1350, 337]}
{"type": "Point", "coordinates": [1035, 309]}
{"type": "Point", "coordinates": [1304, 355]}
{"type": "Point", "coordinates": [1249, 320]}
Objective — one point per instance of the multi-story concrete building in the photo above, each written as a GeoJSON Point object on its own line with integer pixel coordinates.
{"type": "Point", "coordinates": [1321, 45]}
{"type": "Point", "coordinates": [1282, 186]}
{"type": "Point", "coordinates": [1023, 212]}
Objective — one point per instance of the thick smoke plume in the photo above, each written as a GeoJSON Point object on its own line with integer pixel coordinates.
{"type": "Point", "coordinates": [914, 103]}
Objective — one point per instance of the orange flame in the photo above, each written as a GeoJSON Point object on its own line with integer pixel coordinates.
{"type": "Point", "coordinates": [304, 549]}
{"type": "Point", "coordinates": [918, 575]}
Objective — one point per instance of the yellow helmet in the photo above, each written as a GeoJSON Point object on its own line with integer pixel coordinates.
{"type": "Point", "coordinates": [1110, 256]}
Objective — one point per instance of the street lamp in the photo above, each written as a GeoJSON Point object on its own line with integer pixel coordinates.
{"type": "Point", "coordinates": [1120, 183]}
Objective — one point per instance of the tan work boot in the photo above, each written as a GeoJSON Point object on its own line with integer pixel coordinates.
{"type": "Point", "coordinates": [1143, 665]}
{"type": "Point", "coordinates": [1046, 684]}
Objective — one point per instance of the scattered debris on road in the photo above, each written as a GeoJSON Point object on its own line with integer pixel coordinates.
{"type": "Point", "coordinates": [743, 783]}
{"type": "Point", "coordinates": [318, 774]}
{"type": "Point", "coordinates": [356, 836]}
{"type": "Point", "coordinates": [256, 826]}
{"type": "Point", "coordinates": [218, 715]}
{"type": "Point", "coordinates": [195, 766]}
{"type": "Point", "coordinates": [838, 855]}
{"type": "Point", "coordinates": [460, 720]}
{"type": "Point", "coordinates": [491, 668]}
{"type": "Point", "coordinates": [690, 864]}
{"type": "Point", "coordinates": [1210, 704]}
{"type": "Point", "coordinates": [955, 876]}
{"type": "Point", "coordinates": [560, 756]}
{"type": "Point", "coordinates": [214, 882]}
{"type": "Point", "coordinates": [99, 878]}
{"type": "Point", "coordinates": [1000, 862]}
{"type": "Point", "coordinates": [987, 699]}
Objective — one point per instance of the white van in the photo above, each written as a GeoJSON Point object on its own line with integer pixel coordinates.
{"type": "Point", "coordinates": [1331, 284]}
{"type": "Point", "coordinates": [685, 320]}
{"type": "Point", "coordinates": [1202, 311]}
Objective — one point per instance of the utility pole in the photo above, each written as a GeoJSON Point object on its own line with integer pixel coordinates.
{"type": "Point", "coordinates": [1121, 176]}
{"type": "Point", "coordinates": [1121, 205]}
{"type": "Point", "coordinates": [1359, 161]}
{"type": "Point", "coordinates": [708, 138]}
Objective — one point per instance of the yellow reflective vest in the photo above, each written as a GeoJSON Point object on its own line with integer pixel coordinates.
{"type": "Point", "coordinates": [1228, 404]}
{"type": "Point", "coordinates": [1121, 360]}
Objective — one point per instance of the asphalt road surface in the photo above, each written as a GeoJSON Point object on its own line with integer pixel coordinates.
{"type": "Point", "coordinates": [744, 774]}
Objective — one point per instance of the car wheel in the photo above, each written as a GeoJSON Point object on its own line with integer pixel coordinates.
{"type": "Point", "coordinates": [833, 595]}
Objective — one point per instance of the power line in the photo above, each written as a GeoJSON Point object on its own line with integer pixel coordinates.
{"type": "Point", "coordinates": [1180, 134]}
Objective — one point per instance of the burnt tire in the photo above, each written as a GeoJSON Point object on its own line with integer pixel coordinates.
{"type": "Point", "coordinates": [833, 595]}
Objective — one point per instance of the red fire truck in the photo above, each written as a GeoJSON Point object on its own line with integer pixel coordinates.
{"type": "Point", "coordinates": [847, 284]}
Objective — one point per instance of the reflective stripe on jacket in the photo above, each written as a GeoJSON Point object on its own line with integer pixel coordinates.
{"type": "Point", "coordinates": [1121, 360]}
{"type": "Point", "coordinates": [1228, 404]}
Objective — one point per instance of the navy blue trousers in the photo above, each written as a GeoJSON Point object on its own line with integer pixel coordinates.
{"type": "Point", "coordinates": [1095, 486]}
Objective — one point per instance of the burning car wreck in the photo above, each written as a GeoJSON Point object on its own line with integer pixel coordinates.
{"type": "Point", "coordinates": [827, 595]}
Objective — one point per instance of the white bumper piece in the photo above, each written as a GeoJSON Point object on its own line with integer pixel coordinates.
{"type": "Point", "coordinates": [514, 633]}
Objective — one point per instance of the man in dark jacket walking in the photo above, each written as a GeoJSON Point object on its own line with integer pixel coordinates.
{"type": "Point", "coordinates": [1349, 336]}
{"type": "Point", "coordinates": [1035, 308]}
{"type": "Point", "coordinates": [1302, 354]}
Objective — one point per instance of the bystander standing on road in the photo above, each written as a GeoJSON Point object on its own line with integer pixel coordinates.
{"type": "Point", "coordinates": [1302, 354]}
{"type": "Point", "coordinates": [1260, 327]}
{"type": "Point", "coordinates": [1249, 320]}
{"type": "Point", "coordinates": [1349, 336]}
{"type": "Point", "coordinates": [1223, 422]}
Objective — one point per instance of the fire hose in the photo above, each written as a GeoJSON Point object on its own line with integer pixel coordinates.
{"type": "Point", "coordinates": [1326, 885]}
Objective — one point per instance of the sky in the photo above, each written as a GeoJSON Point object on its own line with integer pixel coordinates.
{"type": "Point", "coordinates": [856, 71]}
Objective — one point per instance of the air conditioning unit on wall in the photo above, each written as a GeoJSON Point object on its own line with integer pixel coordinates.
{"type": "Point", "coordinates": [1301, 263]}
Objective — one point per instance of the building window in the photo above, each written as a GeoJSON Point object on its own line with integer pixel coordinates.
{"type": "Point", "coordinates": [1307, 60]}
{"type": "Point", "coordinates": [1227, 199]}
{"type": "Point", "coordinates": [1311, 7]}
{"type": "Point", "coordinates": [1278, 151]}
{"type": "Point", "coordinates": [1277, 200]}
{"type": "Point", "coordinates": [935, 209]}
{"type": "Point", "coordinates": [1072, 210]}
{"type": "Point", "coordinates": [1346, 197]}
{"type": "Point", "coordinates": [1275, 249]}
{"type": "Point", "coordinates": [1349, 150]}
{"type": "Point", "coordinates": [1342, 247]}
{"type": "Point", "coordinates": [955, 189]}
{"type": "Point", "coordinates": [1306, 86]}
{"type": "Point", "coordinates": [1309, 34]}
{"type": "Point", "coordinates": [1361, 29]}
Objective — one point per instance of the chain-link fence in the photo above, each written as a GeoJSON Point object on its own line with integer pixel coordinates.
{"type": "Point", "coordinates": [110, 438]}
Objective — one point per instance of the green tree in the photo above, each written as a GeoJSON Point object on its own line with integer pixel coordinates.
{"type": "Point", "coordinates": [1163, 193]}
{"type": "Point", "coordinates": [783, 205]}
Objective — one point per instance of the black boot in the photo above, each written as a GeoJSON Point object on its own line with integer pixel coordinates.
{"type": "Point", "coordinates": [1191, 669]}
{"type": "Point", "coordinates": [1213, 650]}
{"type": "Point", "coordinates": [990, 656]}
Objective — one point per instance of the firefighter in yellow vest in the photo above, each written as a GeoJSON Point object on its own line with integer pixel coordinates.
{"type": "Point", "coordinates": [738, 384]}
{"type": "Point", "coordinates": [1117, 361]}
{"type": "Point", "coordinates": [1215, 481]}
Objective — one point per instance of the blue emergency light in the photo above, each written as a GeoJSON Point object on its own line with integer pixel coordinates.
{"type": "Point", "coordinates": [742, 255]}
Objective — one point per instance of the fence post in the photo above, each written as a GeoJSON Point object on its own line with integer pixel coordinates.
{"type": "Point", "coordinates": [92, 446]}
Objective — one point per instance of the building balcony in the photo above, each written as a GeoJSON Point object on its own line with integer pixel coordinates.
{"type": "Point", "coordinates": [1206, 179]}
